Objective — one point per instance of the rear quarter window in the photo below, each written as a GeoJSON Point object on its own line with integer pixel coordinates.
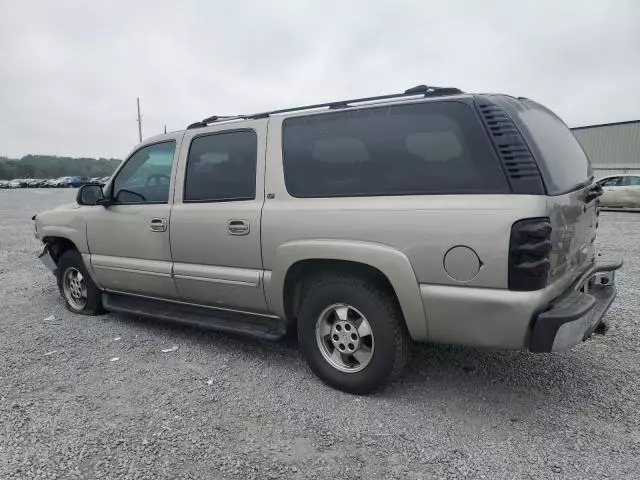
{"type": "Point", "coordinates": [562, 162]}
{"type": "Point", "coordinates": [416, 149]}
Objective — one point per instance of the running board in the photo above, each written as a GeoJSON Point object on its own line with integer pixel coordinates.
{"type": "Point", "coordinates": [223, 320]}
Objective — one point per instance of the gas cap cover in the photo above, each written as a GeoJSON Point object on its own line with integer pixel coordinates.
{"type": "Point", "coordinates": [462, 263]}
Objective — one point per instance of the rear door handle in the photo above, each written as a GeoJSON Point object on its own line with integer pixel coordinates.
{"type": "Point", "coordinates": [238, 227]}
{"type": "Point", "coordinates": [158, 224]}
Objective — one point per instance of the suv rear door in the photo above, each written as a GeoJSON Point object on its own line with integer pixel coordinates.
{"type": "Point", "coordinates": [215, 223]}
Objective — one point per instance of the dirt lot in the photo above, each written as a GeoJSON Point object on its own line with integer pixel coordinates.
{"type": "Point", "coordinates": [98, 398]}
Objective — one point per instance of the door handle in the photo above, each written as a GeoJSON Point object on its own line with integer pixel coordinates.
{"type": "Point", "coordinates": [158, 224]}
{"type": "Point", "coordinates": [238, 227]}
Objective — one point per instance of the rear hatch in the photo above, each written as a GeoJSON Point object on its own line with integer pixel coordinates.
{"type": "Point", "coordinates": [568, 181]}
{"type": "Point", "coordinates": [573, 221]}
{"type": "Point", "coordinates": [568, 178]}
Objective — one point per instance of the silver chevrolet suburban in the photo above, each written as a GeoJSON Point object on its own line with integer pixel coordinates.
{"type": "Point", "coordinates": [431, 215]}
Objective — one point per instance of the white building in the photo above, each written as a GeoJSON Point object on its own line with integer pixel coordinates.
{"type": "Point", "coordinates": [612, 147]}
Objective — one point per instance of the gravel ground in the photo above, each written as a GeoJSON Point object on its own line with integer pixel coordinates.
{"type": "Point", "coordinates": [95, 397]}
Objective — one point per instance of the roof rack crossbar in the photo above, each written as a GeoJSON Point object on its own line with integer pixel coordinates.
{"type": "Point", "coordinates": [214, 119]}
{"type": "Point", "coordinates": [424, 90]}
{"type": "Point", "coordinates": [415, 91]}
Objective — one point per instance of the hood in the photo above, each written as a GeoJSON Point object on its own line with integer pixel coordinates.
{"type": "Point", "coordinates": [67, 206]}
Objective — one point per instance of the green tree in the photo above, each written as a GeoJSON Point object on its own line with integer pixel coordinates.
{"type": "Point", "coordinates": [51, 166]}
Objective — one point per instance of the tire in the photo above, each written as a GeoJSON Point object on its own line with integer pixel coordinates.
{"type": "Point", "coordinates": [71, 266]}
{"type": "Point", "coordinates": [387, 348]}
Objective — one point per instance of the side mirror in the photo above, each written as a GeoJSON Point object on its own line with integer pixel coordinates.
{"type": "Point", "coordinates": [90, 195]}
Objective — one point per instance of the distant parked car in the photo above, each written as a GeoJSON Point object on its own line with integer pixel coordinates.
{"type": "Point", "coordinates": [77, 182]}
{"type": "Point", "coordinates": [4, 183]}
{"type": "Point", "coordinates": [62, 182]}
{"type": "Point", "coordinates": [17, 183]}
{"type": "Point", "coordinates": [34, 182]}
{"type": "Point", "coordinates": [621, 191]}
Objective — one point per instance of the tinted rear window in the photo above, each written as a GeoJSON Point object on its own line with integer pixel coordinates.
{"type": "Point", "coordinates": [562, 162]}
{"type": "Point", "coordinates": [423, 148]}
{"type": "Point", "coordinates": [221, 167]}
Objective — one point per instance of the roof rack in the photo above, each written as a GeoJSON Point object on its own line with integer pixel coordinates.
{"type": "Point", "coordinates": [425, 90]}
{"type": "Point", "coordinates": [214, 119]}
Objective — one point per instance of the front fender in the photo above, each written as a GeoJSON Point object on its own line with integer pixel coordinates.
{"type": "Point", "coordinates": [69, 224]}
{"type": "Point", "coordinates": [392, 263]}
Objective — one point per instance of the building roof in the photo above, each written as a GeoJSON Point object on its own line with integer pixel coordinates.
{"type": "Point", "coordinates": [606, 124]}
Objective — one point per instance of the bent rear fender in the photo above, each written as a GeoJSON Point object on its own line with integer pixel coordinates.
{"type": "Point", "coordinates": [392, 263]}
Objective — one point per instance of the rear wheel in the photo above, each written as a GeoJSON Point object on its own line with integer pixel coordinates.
{"type": "Point", "coordinates": [352, 333]}
{"type": "Point", "coordinates": [78, 291]}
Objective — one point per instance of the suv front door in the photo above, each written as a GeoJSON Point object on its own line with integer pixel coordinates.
{"type": "Point", "coordinates": [129, 238]}
{"type": "Point", "coordinates": [215, 221]}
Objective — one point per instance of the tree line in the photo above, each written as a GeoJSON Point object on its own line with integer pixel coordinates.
{"type": "Point", "coordinates": [51, 166]}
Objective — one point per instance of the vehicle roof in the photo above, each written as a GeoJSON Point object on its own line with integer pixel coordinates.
{"type": "Point", "coordinates": [421, 93]}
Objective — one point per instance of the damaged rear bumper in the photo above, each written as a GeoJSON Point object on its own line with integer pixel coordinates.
{"type": "Point", "coordinates": [574, 316]}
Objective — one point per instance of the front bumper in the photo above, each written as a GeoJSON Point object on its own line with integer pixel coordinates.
{"type": "Point", "coordinates": [575, 315]}
{"type": "Point", "coordinates": [45, 258]}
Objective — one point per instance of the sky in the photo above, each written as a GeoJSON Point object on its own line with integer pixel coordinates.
{"type": "Point", "coordinates": [70, 71]}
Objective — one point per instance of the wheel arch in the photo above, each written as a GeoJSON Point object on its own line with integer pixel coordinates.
{"type": "Point", "coordinates": [59, 245]}
{"type": "Point", "coordinates": [296, 260]}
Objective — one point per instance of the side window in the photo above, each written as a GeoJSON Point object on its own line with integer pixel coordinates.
{"type": "Point", "coordinates": [440, 146]}
{"type": "Point", "coordinates": [146, 176]}
{"type": "Point", "coordinates": [222, 166]}
{"type": "Point", "coordinates": [610, 182]}
{"type": "Point", "coordinates": [635, 181]}
{"type": "Point", "coordinates": [417, 149]}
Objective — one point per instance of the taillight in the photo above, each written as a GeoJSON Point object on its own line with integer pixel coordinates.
{"type": "Point", "coordinates": [529, 250]}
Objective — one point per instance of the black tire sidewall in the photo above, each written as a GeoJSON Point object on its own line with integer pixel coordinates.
{"type": "Point", "coordinates": [72, 259]}
{"type": "Point", "coordinates": [382, 316]}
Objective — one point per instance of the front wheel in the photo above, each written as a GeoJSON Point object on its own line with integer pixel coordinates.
{"type": "Point", "coordinates": [352, 333]}
{"type": "Point", "coordinates": [78, 291]}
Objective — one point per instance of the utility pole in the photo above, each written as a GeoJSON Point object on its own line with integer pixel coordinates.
{"type": "Point", "coordinates": [139, 121]}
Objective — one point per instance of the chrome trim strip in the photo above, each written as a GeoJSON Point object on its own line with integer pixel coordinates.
{"type": "Point", "coordinates": [131, 270]}
{"type": "Point", "coordinates": [217, 280]}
